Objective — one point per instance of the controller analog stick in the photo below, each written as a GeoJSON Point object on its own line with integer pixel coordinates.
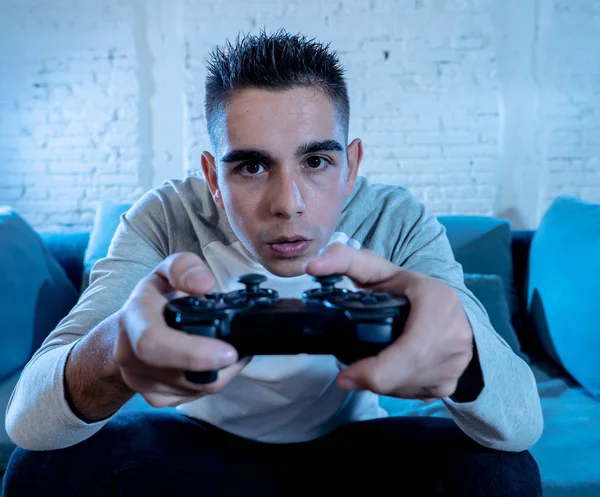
{"type": "Point", "coordinates": [252, 282]}
{"type": "Point", "coordinates": [328, 282]}
{"type": "Point", "coordinates": [253, 292]}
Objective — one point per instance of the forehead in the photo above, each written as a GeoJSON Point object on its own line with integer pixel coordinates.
{"type": "Point", "coordinates": [279, 119]}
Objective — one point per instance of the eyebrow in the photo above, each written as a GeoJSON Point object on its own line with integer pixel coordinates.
{"type": "Point", "coordinates": [257, 155]}
{"type": "Point", "coordinates": [319, 146]}
{"type": "Point", "coordinates": [246, 155]}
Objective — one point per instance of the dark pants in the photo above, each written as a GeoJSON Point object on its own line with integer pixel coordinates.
{"type": "Point", "coordinates": [159, 453]}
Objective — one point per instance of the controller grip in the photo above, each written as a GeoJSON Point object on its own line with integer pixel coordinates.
{"type": "Point", "coordinates": [201, 377]}
{"type": "Point", "coordinates": [207, 329]}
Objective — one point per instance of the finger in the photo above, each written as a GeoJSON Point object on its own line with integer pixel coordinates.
{"type": "Point", "coordinates": [166, 400]}
{"type": "Point", "coordinates": [225, 376]}
{"type": "Point", "coordinates": [187, 272]}
{"type": "Point", "coordinates": [230, 372]}
{"type": "Point", "coordinates": [373, 374]}
{"type": "Point", "coordinates": [403, 369]}
{"type": "Point", "coordinates": [167, 382]}
{"type": "Point", "coordinates": [143, 384]}
{"type": "Point", "coordinates": [363, 266]}
{"type": "Point", "coordinates": [396, 365]}
{"type": "Point", "coordinates": [146, 337]}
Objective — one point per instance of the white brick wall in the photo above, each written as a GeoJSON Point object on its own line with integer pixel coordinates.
{"type": "Point", "coordinates": [477, 106]}
{"type": "Point", "coordinates": [69, 101]}
{"type": "Point", "coordinates": [570, 101]}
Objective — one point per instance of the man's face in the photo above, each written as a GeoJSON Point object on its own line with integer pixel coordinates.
{"type": "Point", "coordinates": [281, 172]}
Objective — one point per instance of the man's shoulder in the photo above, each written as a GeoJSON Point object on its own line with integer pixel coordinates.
{"type": "Point", "coordinates": [189, 189]}
{"type": "Point", "coordinates": [387, 219]}
{"type": "Point", "coordinates": [380, 206]}
{"type": "Point", "coordinates": [184, 210]}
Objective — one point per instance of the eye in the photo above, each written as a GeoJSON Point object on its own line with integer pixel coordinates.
{"type": "Point", "coordinates": [315, 162]}
{"type": "Point", "coordinates": [250, 169]}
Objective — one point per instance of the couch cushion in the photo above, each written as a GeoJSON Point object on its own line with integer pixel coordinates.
{"type": "Point", "coordinates": [563, 293]}
{"type": "Point", "coordinates": [36, 291]}
{"type": "Point", "coordinates": [106, 222]}
{"type": "Point", "coordinates": [489, 290]}
{"type": "Point", "coordinates": [482, 245]}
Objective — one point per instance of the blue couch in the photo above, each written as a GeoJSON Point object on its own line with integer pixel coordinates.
{"type": "Point", "coordinates": [497, 266]}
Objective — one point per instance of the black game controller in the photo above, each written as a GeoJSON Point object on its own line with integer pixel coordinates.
{"type": "Point", "coordinates": [326, 320]}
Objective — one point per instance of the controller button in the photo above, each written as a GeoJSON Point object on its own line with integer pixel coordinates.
{"type": "Point", "coordinates": [233, 299]}
{"type": "Point", "coordinates": [262, 293]}
{"type": "Point", "coordinates": [368, 300]}
{"type": "Point", "coordinates": [193, 301]}
{"type": "Point", "coordinates": [196, 303]}
{"type": "Point", "coordinates": [340, 297]}
{"type": "Point", "coordinates": [382, 296]}
{"type": "Point", "coordinates": [263, 302]}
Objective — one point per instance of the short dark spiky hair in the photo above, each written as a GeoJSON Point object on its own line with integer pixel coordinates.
{"type": "Point", "coordinates": [278, 61]}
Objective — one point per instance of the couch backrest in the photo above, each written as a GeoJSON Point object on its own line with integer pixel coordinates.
{"type": "Point", "coordinates": [480, 244]}
{"type": "Point", "coordinates": [69, 251]}
{"type": "Point", "coordinates": [69, 248]}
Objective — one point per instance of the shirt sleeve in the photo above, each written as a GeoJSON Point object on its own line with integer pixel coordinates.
{"type": "Point", "coordinates": [505, 412]}
{"type": "Point", "coordinates": [38, 415]}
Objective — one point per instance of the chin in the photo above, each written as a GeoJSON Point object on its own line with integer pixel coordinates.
{"type": "Point", "coordinates": [285, 268]}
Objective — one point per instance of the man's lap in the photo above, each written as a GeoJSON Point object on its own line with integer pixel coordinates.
{"type": "Point", "coordinates": [149, 451]}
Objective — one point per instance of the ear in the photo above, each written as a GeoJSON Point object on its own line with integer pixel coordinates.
{"type": "Point", "coordinates": [210, 173]}
{"type": "Point", "coordinates": [355, 154]}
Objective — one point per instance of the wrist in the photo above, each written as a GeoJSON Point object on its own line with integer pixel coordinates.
{"type": "Point", "coordinates": [93, 385]}
{"type": "Point", "coordinates": [471, 383]}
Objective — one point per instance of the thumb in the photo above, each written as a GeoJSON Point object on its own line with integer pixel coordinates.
{"type": "Point", "coordinates": [363, 266]}
{"type": "Point", "coordinates": [187, 272]}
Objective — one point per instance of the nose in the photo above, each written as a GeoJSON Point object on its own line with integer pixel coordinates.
{"type": "Point", "coordinates": [285, 197]}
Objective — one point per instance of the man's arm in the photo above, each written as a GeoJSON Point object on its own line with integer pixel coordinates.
{"type": "Point", "coordinates": [94, 387]}
{"type": "Point", "coordinates": [71, 373]}
{"type": "Point", "coordinates": [501, 409]}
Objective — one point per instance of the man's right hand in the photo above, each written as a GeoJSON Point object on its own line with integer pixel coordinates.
{"type": "Point", "coordinates": [154, 357]}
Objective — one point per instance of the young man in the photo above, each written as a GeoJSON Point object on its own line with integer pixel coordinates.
{"type": "Point", "coordinates": [283, 198]}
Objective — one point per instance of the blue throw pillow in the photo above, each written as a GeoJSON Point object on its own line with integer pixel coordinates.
{"type": "Point", "coordinates": [489, 290]}
{"type": "Point", "coordinates": [483, 245]}
{"type": "Point", "coordinates": [36, 292]}
{"type": "Point", "coordinates": [106, 222]}
{"type": "Point", "coordinates": [563, 294]}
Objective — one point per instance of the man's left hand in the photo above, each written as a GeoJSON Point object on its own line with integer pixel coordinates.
{"type": "Point", "coordinates": [436, 345]}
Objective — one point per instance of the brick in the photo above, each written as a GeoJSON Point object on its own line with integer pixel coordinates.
{"type": "Point", "coordinates": [70, 167]}
{"type": "Point", "coordinates": [437, 138]}
{"type": "Point", "coordinates": [10, 194]}
{"type": "Point", "coordinates": [35, 193]}
{"type": "Point", "coordinates": [470, 41]}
